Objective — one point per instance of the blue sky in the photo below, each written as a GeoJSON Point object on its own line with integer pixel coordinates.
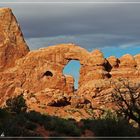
{"type": "Point", "coordinates": [73, 68]}
{"type": "Point", "coordinates": [113, 27]}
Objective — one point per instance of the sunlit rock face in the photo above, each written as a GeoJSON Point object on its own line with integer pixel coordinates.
{"type": "Point", "coordinates": [137, 59]}
{"type": "Point", "coordinates": [12, 44]}
{"type": "Point", "coordinates": [40, 72]}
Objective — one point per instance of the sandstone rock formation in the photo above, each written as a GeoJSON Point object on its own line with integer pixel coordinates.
{"type": "Point", "coordinates": [12, 44]}
{"type": "Point", "coordinates": [137, 59]}
{"type": "Point", "coordinates": [38, 75]}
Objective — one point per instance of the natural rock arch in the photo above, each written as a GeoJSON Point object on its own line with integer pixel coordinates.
{"type": "Point", "coordinates": [54, 59]}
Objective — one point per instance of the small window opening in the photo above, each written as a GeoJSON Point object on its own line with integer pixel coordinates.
{"type": "Point", "coordinates": [48, 74]}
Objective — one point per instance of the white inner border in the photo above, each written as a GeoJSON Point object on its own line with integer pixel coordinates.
{"type": "Point", "coordinates": [71, 2]}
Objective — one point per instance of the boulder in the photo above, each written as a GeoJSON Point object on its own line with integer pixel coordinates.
{"type": "Point", "coordinates": [127, 60]}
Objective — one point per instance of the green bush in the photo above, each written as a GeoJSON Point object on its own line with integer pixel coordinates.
{"type": "Point", "coordinates": [30, 125]}
{"type": "Point", "coordinates": [110, 125]}
{"type": "Point", "coordinates": [1, 128]}
{"type": "Point", "coordinates": [35, 117]}
{"type": "Point", "coordinates": [62, 126]}
{"type": "Point", "coordinates": [16, 104]}
{"type": "Point", "coordinates": [53, 123]}
{"type": "Point", "coordinates": [68, 128]}
{"type": "Point", "coordinates": [18, 125]}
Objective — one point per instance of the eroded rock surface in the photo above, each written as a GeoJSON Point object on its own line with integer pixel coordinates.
{"type": "Point", "coordinates": [12, 44]}
{"type": "Point", "coordinates": [39, 74]}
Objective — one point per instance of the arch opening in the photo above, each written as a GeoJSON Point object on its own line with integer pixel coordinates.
{"type": "Point", "coordinates": [48, 74]}
{"type": "Point", "coordinates": [73, 69]}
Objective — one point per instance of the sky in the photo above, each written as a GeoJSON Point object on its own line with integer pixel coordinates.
{"type": "Point", "coordinates": [113, 26]}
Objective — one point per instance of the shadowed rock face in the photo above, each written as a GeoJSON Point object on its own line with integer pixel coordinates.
{"type": "Point", "coordinates": [42, 69]}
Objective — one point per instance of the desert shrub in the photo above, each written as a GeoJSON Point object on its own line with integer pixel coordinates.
{"type": "Point", "coordinates": [30, 125]}
{"type": "Point", "coordinates": [50, 125]}
{"type": "Point", "coordinates": [17, 131]}
{"type": "Point", "coordinates": [18, 125]}
{"type": "Point", "coordinates": [13, 119]}
{"type": "Point", "coordinates": [16, 105]}
{"type": "Point", "coordinates": [53, 123]}
{"type": "Point", "coordinates": [110, 125]}
{"type": "Point", "coordinates": [62, 126]}
{"type": "Point", "coordinates": [1, 128]}
{"type": "Point", "coordinates": [35, 117]}
{"type": "Point", "coordinates": [69, 128]}
{"type": "Point", "coordinates": [3, 113]}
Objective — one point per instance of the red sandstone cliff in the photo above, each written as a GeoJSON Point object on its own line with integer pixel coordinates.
{"type": "Point", "coordinates": [12, 44]}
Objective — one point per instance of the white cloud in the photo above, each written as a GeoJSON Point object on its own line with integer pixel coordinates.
{"type": "Point", "coordinates": [130, 44]}
{"type": "Point", "coordinates": [88, 41]}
